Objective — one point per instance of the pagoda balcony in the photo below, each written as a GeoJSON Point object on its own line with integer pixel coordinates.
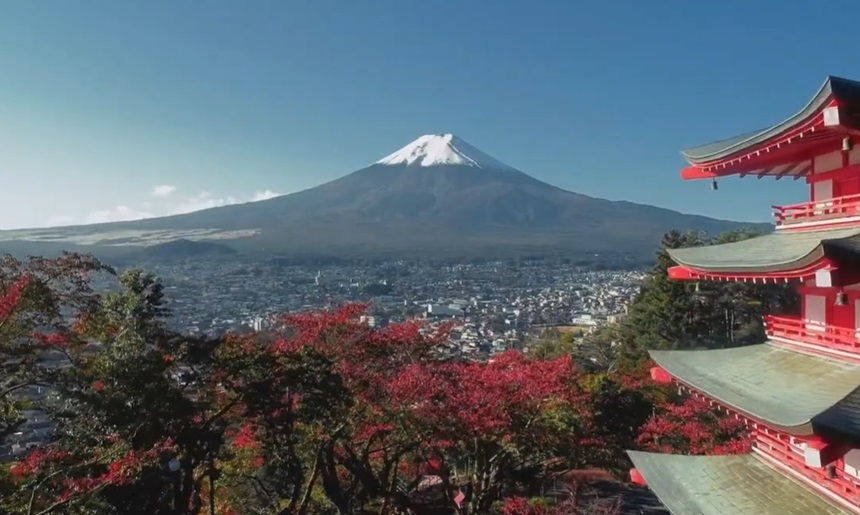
{"type": "Point", "coordinates": [826, 339]}
{"type": "Point", "coordinates": [818, 214]}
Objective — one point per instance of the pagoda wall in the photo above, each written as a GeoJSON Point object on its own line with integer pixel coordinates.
{"type": "Point", "coordinates": [835, 174]}
{"type": "Point", "coordinates": [824, 326]}
{"type": "Point", "coordinates": [819, 306]}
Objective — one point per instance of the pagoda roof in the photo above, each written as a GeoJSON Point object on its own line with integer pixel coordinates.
{"type": "Point", "coordinates": [717, 485]}
{"type": "Point", "coordinates": [787, 390]}
{"type": "Point", "coordinates": [779, 251]}
{"type": "Point", "coordinates": [781, 149]}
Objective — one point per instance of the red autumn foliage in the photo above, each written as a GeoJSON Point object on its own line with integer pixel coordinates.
{"type": "Point", "coordinates": [48, 463]}
{"type": "Point", "coordinates": [490, 401]}
{"type": "Point", "coordinates": [37, 459]}
{"type": "Point", "coordinates": [571, 506]}
{"type": "Point", "coordinates": [51, 339]}
{"type": "Point", "coordinates": [693, 426]}
{"type": "Point", "coordinates": [364, 356]}
{"type": "Point", "coordinates": [636, 377]}
{"type": "Point", "coordinates": [10, 298]}
{"type": "Point", "coordinates": [245, 437]}
{"type": "Point", "coordinates": [522, 506]}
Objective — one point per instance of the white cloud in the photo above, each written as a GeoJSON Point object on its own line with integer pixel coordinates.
{"type": "Point", "coordinates": [264, 195]}
{"type": "Point", "coordinates": [167, 202]}
{"type": "Point", "coordinates": [163, 191]}
{"type": "Point", "coordinates": [204, 200]}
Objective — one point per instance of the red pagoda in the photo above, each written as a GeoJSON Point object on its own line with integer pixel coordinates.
{"type": "Point", "coordinates": [799, 391]}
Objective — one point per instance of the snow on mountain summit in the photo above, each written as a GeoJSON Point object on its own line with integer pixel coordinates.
{"type": "Point", "coordinates": [441, 149]}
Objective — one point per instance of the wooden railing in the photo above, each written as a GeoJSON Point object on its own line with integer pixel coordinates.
{"type": "Point", "coordinates": [836, 338]}
{"type": "Point", "coordinates": [821, 210]}
{"type": "Point", "coordinates": [777, 446]}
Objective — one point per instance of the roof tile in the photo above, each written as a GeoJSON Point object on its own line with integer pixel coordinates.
{"type": "Point", "coordinates": [721, 485]}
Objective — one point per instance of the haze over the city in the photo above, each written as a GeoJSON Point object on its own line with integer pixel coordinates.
{"type": "Point", "coordinates": [114, 111]}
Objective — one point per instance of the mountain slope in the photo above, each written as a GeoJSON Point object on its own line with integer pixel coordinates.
{"type": "Point", "coordinates": [437, 195]}
{"type": "Point", "coordinates": [182, 249]}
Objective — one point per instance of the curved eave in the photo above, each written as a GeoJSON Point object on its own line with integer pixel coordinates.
{"type": "Point", "coordinates": [683, 273]}
{"type": "Point", "coordinates": [692, 173]}
{"type": "Point", "coordinates": [716, 485]}
{"type": "Point", "coordinates": [790, 254]}
{"type": "Point", "coordinates": [835, 91]}
{"type": "Point", "coordinates": [784, 389]}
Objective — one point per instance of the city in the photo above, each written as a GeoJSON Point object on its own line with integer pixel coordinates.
{"type": "Point", "coordinates": [497, 305]}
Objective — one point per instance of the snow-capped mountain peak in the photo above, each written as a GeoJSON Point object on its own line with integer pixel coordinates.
{"type": "Point", "coordinates": [441, 149]}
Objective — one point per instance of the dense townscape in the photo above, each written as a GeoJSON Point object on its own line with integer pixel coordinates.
{"type": "Point", "coordinates": [497, 303]}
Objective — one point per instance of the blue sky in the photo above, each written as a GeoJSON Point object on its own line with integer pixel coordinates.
{"type": "Point", "coordinates": [224, 101]}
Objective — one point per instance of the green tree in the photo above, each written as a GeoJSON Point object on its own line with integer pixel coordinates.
{"type": "Point", "coordinates": [36, 294]}
{"type": "Point", "coordinates": [552, 344]}
{"type": "Point", "coordinates": [291, 401]}
{"type": "Point", "coordinates": [117, 410]}
{"type": "Point", "coordinates": [737, 307]}
{"type": "Point", "coordinates": [665, 313]}
{"type": "Point", "coordinates": [600, 352]}
{"type": "Point", "coordinates": [669, 314]}
{"type": "Point", "coordinates": [618, 411]}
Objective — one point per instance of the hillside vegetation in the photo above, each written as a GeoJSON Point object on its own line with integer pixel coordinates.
{"type": "Point", "coordinates": [326, 415]}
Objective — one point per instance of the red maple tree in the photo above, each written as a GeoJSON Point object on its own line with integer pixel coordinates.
{"type": "Point", "coordinates": [691, 425]}
{"type": "Point", "coordinates": [495, 426]}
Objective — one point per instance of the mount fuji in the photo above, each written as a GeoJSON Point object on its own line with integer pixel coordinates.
{"type": "Point", "coordinates": [442, 149]}
{"type": "Point", "coordinates": [438, 196]}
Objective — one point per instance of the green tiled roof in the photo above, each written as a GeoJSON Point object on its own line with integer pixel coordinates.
{"type": "Point", "coordinates": [786, 389]}
{"type": "Point", "coordinates": [774, 252]}
{"type": "Point", "coordinates": [847, 91]}
{"type": "Point", "coordinates": [724, 485]}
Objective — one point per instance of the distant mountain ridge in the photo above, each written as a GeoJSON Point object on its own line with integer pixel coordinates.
{"type": "Point", "coordinates": [437, 195]}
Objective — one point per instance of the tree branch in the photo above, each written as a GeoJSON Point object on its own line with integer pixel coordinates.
{"type": "Point", "coordinates": [11, 389]}
{"type": "Point", "coordinates": [306, 499]}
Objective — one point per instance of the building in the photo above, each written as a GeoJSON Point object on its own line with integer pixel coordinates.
{"type": "Point", "coordinates": [584, 319]}
{"type": "Point", "coordinates": [373, 320]}
{"type": "Point", "coordinates": [797, 392]}
{"type": "Point", "coordinates": [437, 311]}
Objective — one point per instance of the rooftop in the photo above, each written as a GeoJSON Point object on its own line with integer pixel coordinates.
{"type": "Point", "coordinates": [791, 391]}
{"type": "Point", "coordinates": [784, 148]}
{"type": "Point", "coordinates": [774, 252]}
{"type": "Point", "coordinates": [718, 485]}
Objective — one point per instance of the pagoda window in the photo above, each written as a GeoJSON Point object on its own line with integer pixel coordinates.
{"type": "Point", "coordinates": [822, 190]}
{"type": "Point", "coordinates": [815, 312]}
{"type": "Point", "coordinates": [827, 162]}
